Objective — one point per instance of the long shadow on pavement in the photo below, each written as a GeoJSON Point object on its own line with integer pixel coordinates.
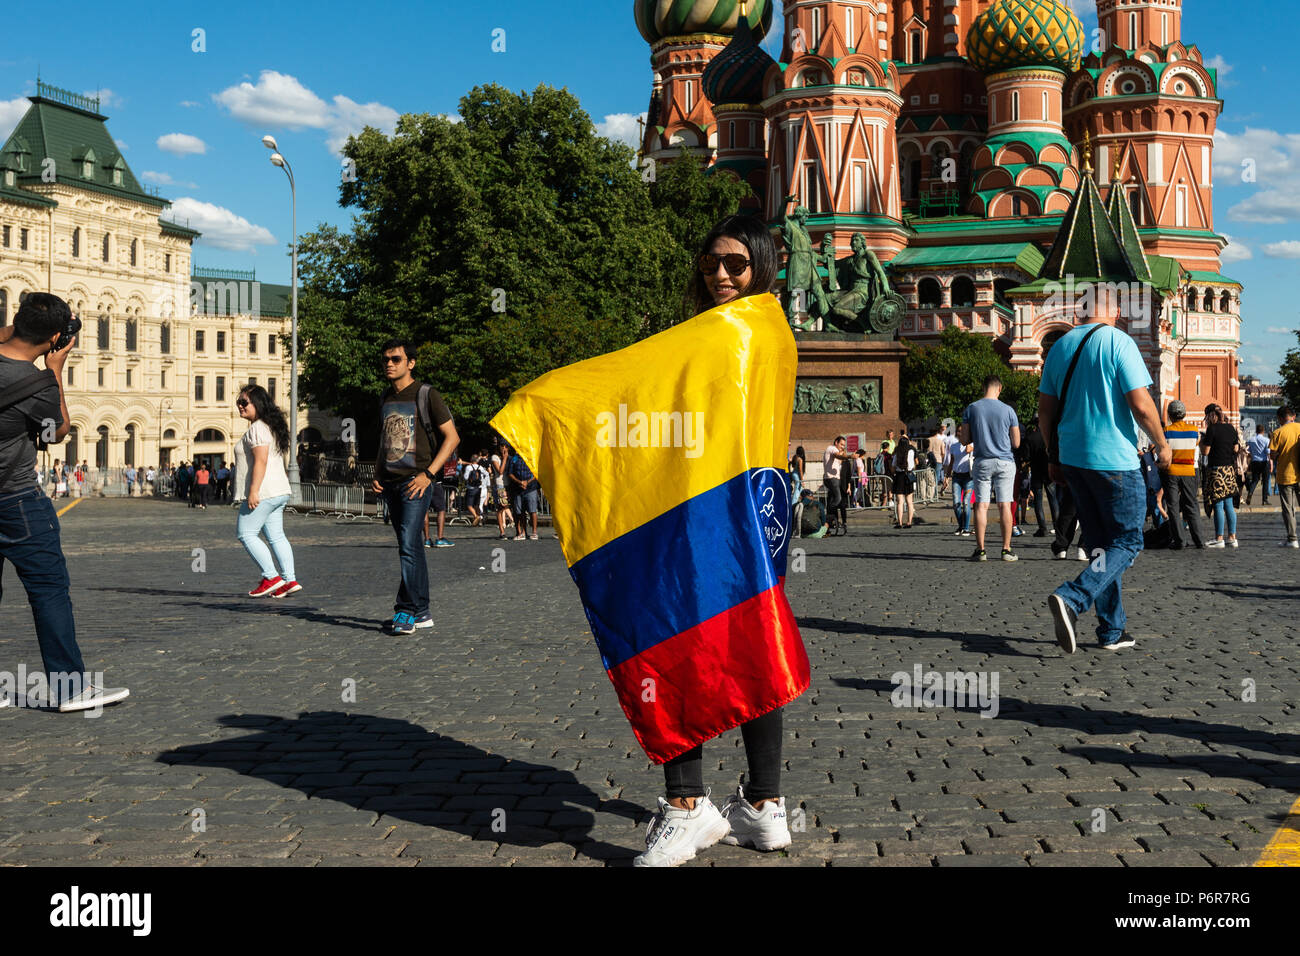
{"type": "Point", "coordinates": [241, 605]}
{"type": "Point", "coordinates": [983, 643]}
{"type": "Point", "coordinates": [1284, 771]}
{"type": "Point", "coordinates": [404, 772]}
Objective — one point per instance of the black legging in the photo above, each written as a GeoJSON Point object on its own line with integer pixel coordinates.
{"type": "Point", "coordinates": [684, 774]}
{"type": "Point", "coordinates": [835, 500]}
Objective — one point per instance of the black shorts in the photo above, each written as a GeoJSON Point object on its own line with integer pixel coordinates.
{"type": "Point", "coordinates": [438, 497]}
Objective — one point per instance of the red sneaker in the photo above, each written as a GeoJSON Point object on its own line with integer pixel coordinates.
{"type": "Point", "coordinates": [287, 588]}
{"type": "Point", "coordinates": [267, 586]}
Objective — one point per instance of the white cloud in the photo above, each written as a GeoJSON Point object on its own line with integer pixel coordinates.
{"type": "Point", "coordinates": [1287, 249]}
{"type": "Point", "coordinates": [120, 144]}
{"type": "Point", "coordinates": [350, 117]}
{"type": "Point", "coordinates": [11, 111]}
{"type": "Point", "coordinates": [188, 103]}
{"type": "Point", "coordinates": [182, 144]}
{"type": "Point", "coordinates": [165, 179]}
{"type": "Point", "coordinates": [220, 227]}
{"type": "Point", "coordinates": [1217, 62]}
{"type": "Point", "coordinates": [279, 100]}
{"type": "Point", "coordinates": [1272, 156]}
{"type": "Point", "coordinates": [106, 97]}
{"type": "Point", "coordinates": [1279, 330]}
{"type": "Point", "coordinates": [622, 128]}
{"type": "Point", "coordinates": [1235, 250]}
{"type": "Point", "coordinates": [1269, 206]}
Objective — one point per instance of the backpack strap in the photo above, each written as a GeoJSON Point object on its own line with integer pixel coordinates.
{"type": "Point", "coordinates": [27, 387]}
{"type": "Point", "coordinates": [1055, 451]}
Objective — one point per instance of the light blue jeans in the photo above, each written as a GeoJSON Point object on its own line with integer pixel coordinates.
{"type": "Point", "coordinates": [1225, 512]}
{"type": "Point", "coordinates": [268, 516]}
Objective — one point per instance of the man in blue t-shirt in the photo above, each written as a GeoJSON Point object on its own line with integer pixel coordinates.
{"type": "Point", "coordinates": [995, 431]}
{"type": "Point", "coordinates": [1098, 458]}
{"type": "Point", "coordinates": [1260, 463]}
{"type": "Point", "coordinates": [526, 488]}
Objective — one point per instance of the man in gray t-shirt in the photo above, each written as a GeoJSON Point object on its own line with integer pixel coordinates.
{"type": "Point", "coordinates": [995, 431]}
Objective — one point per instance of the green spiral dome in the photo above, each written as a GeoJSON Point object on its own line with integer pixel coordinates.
{"type": "Point", "coordinates": [1013, 33]}
{"type": "Point", "coordinates": [657, 19]}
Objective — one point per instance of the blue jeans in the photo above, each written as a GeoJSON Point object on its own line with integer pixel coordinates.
{"type": "Point", "coordinates": [407, 515]}
{"type": "Point", "coordinates": [29, 539]}
{"type": "Point", "coordinates": [1112, 510]}
{"type": "Point", "coordinates": [268, 516]}
{"type": "Point", "coordinates": [1225, 512]}
{"type": "Point", "coordinates": [961, 482]}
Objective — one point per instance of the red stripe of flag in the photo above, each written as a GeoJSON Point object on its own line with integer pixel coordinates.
{"type": "Point", "coordinates": [722, 673]}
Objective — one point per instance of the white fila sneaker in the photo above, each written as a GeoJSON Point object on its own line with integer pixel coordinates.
{"type": "Point", "coordinates": [675, 836]}
{"type": "Point", "coordinates": [763, 829]}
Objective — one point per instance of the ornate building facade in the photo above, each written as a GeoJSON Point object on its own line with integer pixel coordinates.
{"type": "Point", "coordinates": [956, 136]}
{"type": "Point", "coordinates": [164, 347]}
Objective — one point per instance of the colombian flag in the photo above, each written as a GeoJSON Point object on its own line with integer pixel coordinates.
{"type": "Point", "coordinates": [665, 466]}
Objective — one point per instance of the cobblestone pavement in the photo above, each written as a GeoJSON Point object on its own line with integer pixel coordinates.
{"type": "Point", "coordinates": [496, 738]}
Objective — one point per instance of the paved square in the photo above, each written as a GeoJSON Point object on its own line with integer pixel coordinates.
{"type": "Point", "coordinates": [496, 739]}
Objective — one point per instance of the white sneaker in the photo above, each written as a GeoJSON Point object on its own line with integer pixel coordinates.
{"type": "Point", "coordinates": [1216, 544]}
{"type": "Point", "coordinates": [1232, 543]}
{"type": "Point", "coordinates": [1082, 555]}
{"type": "Point", "coordinates": [675, 836]}
{"type": "Point", "coordinates": [92, 698]}
{"type": "Point", "coordinates": [1289, 544]}
{"type": "Point", "coordinates": [764, 829]}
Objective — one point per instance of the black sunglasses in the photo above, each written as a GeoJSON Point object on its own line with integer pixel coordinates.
{"type": "Point", "coordinates": [242, 403]}
{"type": "Point", "coordinates": [734, 263]}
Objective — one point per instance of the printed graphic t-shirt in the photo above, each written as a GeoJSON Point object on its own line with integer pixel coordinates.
{"type": "Point", "coordinates": [403, 446]}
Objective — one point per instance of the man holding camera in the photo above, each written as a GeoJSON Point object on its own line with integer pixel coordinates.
{"type": "Point", "coordinates": [33, 411]}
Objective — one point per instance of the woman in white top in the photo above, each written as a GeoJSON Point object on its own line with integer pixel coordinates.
{"type": "Point", "coordinates": [263, 490]}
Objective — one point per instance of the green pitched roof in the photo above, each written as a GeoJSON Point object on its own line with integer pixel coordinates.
{"type": "Point", "coordinates": [1086, 246]}
{"type": "Point", "coordinates": [1121, 220]}
{"type": "Point", "coordinates": [1166, 273]}
{"type": "Point", "coordinates": [1200, 275]}
{"type": "Point", "coordinates": [1024, 255]}
{"type": "Point", "coordinates": [70, 130]}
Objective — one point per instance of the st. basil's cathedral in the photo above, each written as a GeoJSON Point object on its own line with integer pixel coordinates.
{"type": "Point", "coordinates": [988, 159]}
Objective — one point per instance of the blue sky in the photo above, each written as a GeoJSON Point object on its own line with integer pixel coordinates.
{"type": "Point", "coordinates": [191, 122]}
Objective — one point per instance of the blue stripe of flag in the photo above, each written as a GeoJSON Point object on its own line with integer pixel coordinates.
{"type": "Point", "coordinates": [701, 558]}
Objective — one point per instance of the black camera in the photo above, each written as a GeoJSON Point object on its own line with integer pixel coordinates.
{"type": "Point", "coordinates": [74, 326]}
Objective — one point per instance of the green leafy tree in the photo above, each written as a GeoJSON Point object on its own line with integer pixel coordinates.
{"type": "Point", "coordinates": [1290, 373]}
{"type": "Point", "coordinates": [511, 243]}
{"type": "Point", "coordinates": [939, 381]}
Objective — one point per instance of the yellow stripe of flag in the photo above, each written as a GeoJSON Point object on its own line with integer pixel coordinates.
{"type": "Point", "coordinates": [625, 437]}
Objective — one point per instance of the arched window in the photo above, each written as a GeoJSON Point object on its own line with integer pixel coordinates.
{"type": "Point", "coordinates": [165, 338]}
{"type": "Point", "coordinates": [1207, 304]}
{"type": "Point", "coordinates": [128, 449]}
{"type": "Point", "coordinates": [169, 435]}
{"type": "Point", "coordinates": [76, 243]}
{"type": "Point", "coordinates": [134, 242]}
{"type": "Point", "coordinates": [963, 292]}
{"type": "Point", "coordinates": [1225, 302]}
{"type": "Point", "coordinates": [132, 344]}
{"type": "Point", "coordinates": [209, 435]}
{"type": "Point", "coordinates": [101, 447]}
{"type": "Point", "coordinates": [1048, 341]}
{"type": "Point", "coordinates": [928, 294]}
{"type": "Point", "coordinates": [1000, 287]}
{"type": "Point", "coordinates": [104, 249]}
{"type": "Point", "coordinates": [104, 332]}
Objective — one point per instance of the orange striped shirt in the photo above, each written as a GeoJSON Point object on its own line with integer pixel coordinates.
{"type": "Point", "coordinates": [1182, 438]}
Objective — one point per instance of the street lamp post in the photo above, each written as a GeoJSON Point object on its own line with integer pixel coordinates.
{"type": "Point", "coordinates": [278, 160]}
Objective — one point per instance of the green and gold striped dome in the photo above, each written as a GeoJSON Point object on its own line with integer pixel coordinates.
{"type": "Point", "coordinates": [657, 19]}
{"type": "Point", "coordinates": [1014, 33]}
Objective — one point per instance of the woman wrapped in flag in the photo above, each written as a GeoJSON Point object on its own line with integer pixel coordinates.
{"type": "Point", "coordinates": [666, 466]}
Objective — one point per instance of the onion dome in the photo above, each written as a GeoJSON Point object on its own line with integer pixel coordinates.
{"type": "Point", "coordinates": [657, 19]}
{"type": "Point", "coordinates": [736, 74]}
{"type": "Point", "coordinates": [1015, 33]}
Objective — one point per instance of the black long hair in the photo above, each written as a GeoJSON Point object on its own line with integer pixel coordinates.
{"type": "Point", "coordinates": [753, 234]}
{"type": "Point", "coordinates": [269, 412]}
